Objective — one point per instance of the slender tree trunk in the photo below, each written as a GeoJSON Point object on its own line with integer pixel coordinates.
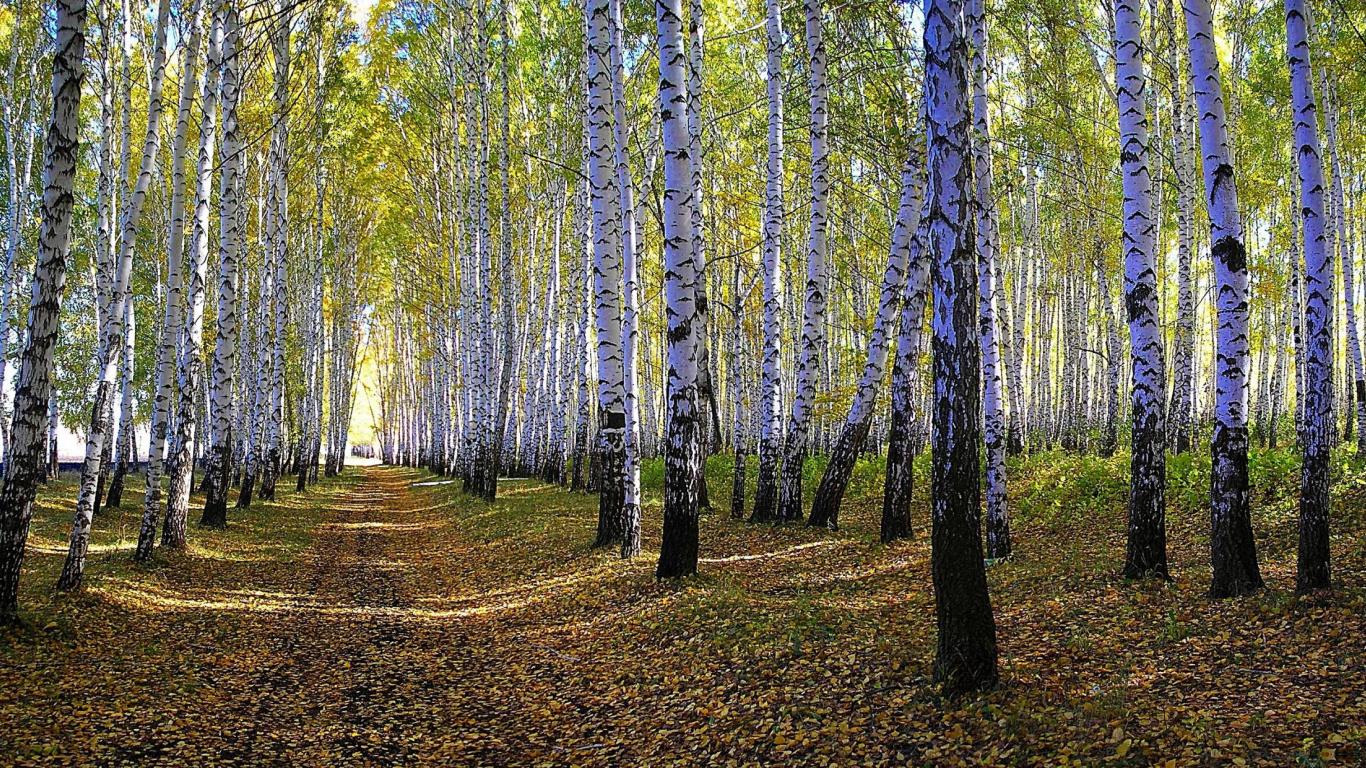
{"type": "Point", "coordinates": [988, 243]}
{"type": "Point", "coordinates": [607, 306]}
{"type": "Point", "coordinates": [107, 360]}
{"type": "Point", "coordinates": [173, 313]}
{"type": "Point", "coordinates": [825, 506]}
{"type": "Point", "coordinates": [221, 41]}
{"type": "Point", "coordinates": [1146, 553]}
{"type": "Point", "coordinates": [126, 440]}
{"type": "Point", "coordinates": [277, 244]}
{"type": "Point", "coordinates": [215, 514]}
{"type": "Point", "coordinates": [1179, 427]}
{"type": "Point", "coordinates": [1233, 551]}
{"type": "Point", "coordinates": [770, 386]}
{"type": "Point", "coordinates": [23, 464]}
{"type": "Point", "coordinates": [905, 434]}
{"type": "Point", "coordinates": [682, 448]}
{"type": "Point", "coordinates": [1312, 571]}
{"type": "Point", "coordinates": [813, 312]}
{"type": "Point", "coordinates": [1343, 239]}
{"type": "Point", "coordinates": [630, 541]}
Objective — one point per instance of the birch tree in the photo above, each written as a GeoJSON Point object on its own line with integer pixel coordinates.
{"type": "Point", "coordinates": [23, 467]}
{"type": "Point", "coordinates": [1233, 551]}
{"type": "Point", "coordinates": [682, 273]}
{"type": "Point", "coordinates": [813, 312]}
{"type": "Point", "coordinates": [112, 342]}
{"type": "Point", "coordinates": [1312, 564]}
{"type": "Point", "coordinates": [1146, 553]}
{"type": "Point", "coordinates": [770, 387]}
{"type": "Point", "coordinates": [825, 507]}
{"type": "Point", "coordinates": [606, 203]}
{"type": "Point", "coordinates": [966, 656]}
{"type": "Point", "coordinates": [226, 332]}
{"type": "Point", "coordinates": [222, 47]}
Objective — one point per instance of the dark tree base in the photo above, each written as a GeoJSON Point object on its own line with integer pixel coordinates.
{"type": "Point", "coordinates": [115, 497]}
{"type": "Point", "coordinates": [766, 491]}
{"type": "Point", "coordinates": [215, 514]}
{"type": "Point", "coordinates": [998, 539]}
{"type": "Point", "coordinates": [630, 539]}
{"type": "Point", "coordinates": [737, 487]}
{"type": "Point", "coordinates": [99, 495]}
{"type": "Point", "coordinates": [1233, 550]}
{"type": "Point", "coordinates": [825, 507]}
{"type": "Point", "coordinates": [790, 486]}
{"type": "Point", "coordinates": [611, 468]}
{"type": "Point", "coordinates": [1313, 572]}
{"type": "Point", "coordinates": [896, 490]}
{"type": "Point", "coordinates": [244, 495]}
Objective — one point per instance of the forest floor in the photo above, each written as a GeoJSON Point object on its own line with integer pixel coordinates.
{"type": "Point", "coordinates": [383, 618]}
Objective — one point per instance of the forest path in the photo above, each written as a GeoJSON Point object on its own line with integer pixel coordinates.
{"type": "Point", "coordinates": [361, 674]}
{"type": "Point", "coordinates": [385, 618]}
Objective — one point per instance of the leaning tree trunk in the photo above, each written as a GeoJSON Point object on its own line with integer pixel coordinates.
{"type": "Point", "coordinates": [1146, 553]}
{"type": "Point", "coordinates": [682, 445]}
{"type": "Point", "coordinates": [23, 466]}
{"type": "Point", "coordinates": [770, 385]}
{"type": "Point", "coordinates": [126, 443]}
{"type": "Point", "coordinates": [107, 360]}
{"type": "Point", "coordinates": [1233, 551]}
{"type": "Point", "coordinates": [215, 514]}
{"type": "Point", "coordinates": [825, 507]}
{"type": "Point", "coordinates": [966, 657]}
{"type": "Point", "coordinates": [905, 434]}
{"type": "Point", "coordinates": [1312, 572]}
{"type": "Point", "coordinates": [606, 202]}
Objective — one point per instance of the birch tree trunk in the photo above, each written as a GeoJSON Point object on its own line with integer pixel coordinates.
{"type": "Point", "coordinates": [277, 245]}
{"type": "Point", "coordinates": [1233, 551]}
{"type": "Point", "coordinates": [222, 47]}
{"type": "Point", "coordinates": [682, 445]}
{"type": "Point", "coordinates": [215, 514]}
{"type": "Point", "coordinates": [607, 266]}
{"type": "Point", "coordinates": [825, 507]}
{"type": "Point", "coordinates": [1183, 341]}
{"type": "Point", "coordinates": [630, 541]}
{"type": "Point", "coordinates": [1312, 566]}
{"type": "Point", "coordinates": [126, 443]}
{"type": "Point", "coordinates": [1343, 240]}
{"type": "Point", "coordinates": [507, 289]}
{"type": "Point", "coordinates": [111, 344]}
{"type": "Point", "coordinates": [23, 466]}
{"type": "Point", "coordinates": [988, 243]}
{"type": "Point", "coordinates": [174, 312]}
{"type": "Point", "coordinates": [770, 386]}
{"type": "Point", "coordinates": [966, 657]}
{"type": "Point", "coordinates": [813, 313]}
{"type": "Point", "coordinates": [905, 434]}
{"type": "Point", "coordinates": [1146, 552]}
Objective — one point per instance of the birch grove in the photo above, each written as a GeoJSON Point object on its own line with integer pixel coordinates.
{"type": "Point", "coordinates": [894, 268]}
